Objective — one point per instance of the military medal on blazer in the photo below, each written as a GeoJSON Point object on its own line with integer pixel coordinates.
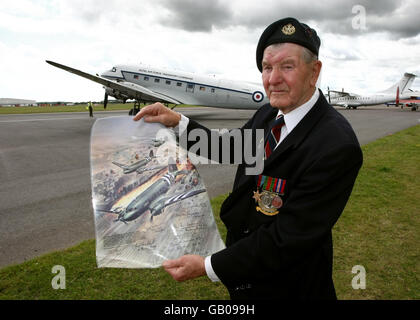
{"type": "Point", "coordinates": [269, 200]}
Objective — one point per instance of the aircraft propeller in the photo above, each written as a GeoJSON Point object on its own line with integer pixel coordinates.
{"type": "Point", "coordinates": [105, 99]}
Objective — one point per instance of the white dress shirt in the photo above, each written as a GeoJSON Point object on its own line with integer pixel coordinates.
{"type": "Point", "coordinates": [291, 120]}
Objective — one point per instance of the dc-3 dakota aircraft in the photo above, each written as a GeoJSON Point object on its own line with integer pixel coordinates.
{"type": "Point", "coordinates": [398, 91]}
{"type": "Point", "coordinates": [137, 166]}
{"type": "Point", "coordinates": [147, 84]}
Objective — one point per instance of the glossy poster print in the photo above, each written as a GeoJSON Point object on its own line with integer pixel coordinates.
{"type": "Point", "coordinates": [149, 201]}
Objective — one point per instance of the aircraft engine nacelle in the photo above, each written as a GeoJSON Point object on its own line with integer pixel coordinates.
{"type": "Point", "coordinates": [116, 94]}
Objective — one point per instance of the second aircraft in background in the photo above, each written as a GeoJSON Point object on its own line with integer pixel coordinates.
{"type": "Point", "coordinates": [400, 90]}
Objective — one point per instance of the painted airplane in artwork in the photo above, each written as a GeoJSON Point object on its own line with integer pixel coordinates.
{"type": "Point", "coordinates": [147, 84]}
{"type": "Point", "coordinates": [155, 198]}
{"type": "Point", "coordinates": [400, 90]}
{"type": "Point", "coordinates": [137, 166]}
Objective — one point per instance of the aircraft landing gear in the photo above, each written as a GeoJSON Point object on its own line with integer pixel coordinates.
{"type": "Point", "coordinates": [135, 109]}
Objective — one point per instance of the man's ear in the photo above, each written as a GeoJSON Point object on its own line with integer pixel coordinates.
{"type": "Point", "coordinates": [316, 70]}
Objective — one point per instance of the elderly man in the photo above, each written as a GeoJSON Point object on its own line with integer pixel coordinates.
{"type": "Point", "coordinates": [279, 242]}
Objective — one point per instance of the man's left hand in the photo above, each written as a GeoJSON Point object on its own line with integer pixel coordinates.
{"type": "Point", "coordinates": [186, 267]}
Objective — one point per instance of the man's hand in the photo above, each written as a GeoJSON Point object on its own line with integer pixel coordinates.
{"type": "Point", "coordinates": [185, 268]}
{"type": "Point", "coordinates": [157, 112]}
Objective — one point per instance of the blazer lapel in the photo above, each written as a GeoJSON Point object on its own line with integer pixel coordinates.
{"type": "Point", "coordinates": [293, 139]}
{"type": "Point", "coordinates": [302, 129]}
{"type": "Point", "coordinates": [264, 122]}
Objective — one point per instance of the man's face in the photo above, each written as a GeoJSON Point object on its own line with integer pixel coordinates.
{"type": "Point", "coordinates": [288, 80]}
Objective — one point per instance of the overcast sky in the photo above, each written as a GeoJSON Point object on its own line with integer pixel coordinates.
{"type": "Point", "coordinates": [366, 46]}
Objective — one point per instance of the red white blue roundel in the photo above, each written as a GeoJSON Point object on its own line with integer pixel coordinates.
{"type": "Point", "coordinates": [258, 96]}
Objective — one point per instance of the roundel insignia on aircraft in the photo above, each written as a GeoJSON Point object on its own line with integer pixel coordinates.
{"type": "Point", "coordinates": [258, 96]}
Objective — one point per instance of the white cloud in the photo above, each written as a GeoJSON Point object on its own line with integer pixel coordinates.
{"type": "Point", "coordinates": [93, 35]}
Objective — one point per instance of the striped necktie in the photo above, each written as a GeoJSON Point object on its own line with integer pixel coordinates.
{"type": "Point", "coordinates": [274, 136]}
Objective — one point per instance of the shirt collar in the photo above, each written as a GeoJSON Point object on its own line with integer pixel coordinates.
{"type": "Point", "coordinates": [292, 118]}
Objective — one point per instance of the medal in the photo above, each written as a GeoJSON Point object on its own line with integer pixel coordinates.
{"type": "Point", "coordinates": [257, 196]}
{"type": "Point", "coordinates": [269, 200]}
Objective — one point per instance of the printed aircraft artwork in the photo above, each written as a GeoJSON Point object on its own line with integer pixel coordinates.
{"type": "Point", "coordinates": [137, 166]}
{"type": "Point", "coordinates": [154, 199]}
{"type": "Point", "coordinates": [142, 219]}
{"type": "Point", "coordinates": [148, 84]}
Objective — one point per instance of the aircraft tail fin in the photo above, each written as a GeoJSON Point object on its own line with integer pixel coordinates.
{"type": "Point", "coordinates": [409, 83]}
{"type": "Point", "coordinates": [403, 84]}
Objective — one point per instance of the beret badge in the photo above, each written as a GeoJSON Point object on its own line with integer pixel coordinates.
{"type": "Point", "coordinates": [288, 29]}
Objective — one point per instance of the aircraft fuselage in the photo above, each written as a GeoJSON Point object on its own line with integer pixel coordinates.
{"type": "Point", "coordinates": [190, 88]}
{"type": "Point", "coordinates": [362, 100]}
{"type": "Point", "coordinates": [141, 203]}
{"type": "Point", "coordinates": [136, 165]}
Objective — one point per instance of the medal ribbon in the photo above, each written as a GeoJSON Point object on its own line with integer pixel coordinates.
{"type": "Point", "coordinates": [271, 184]}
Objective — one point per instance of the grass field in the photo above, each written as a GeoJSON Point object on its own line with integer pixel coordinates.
{"type": "Point", "coordinates": [76, 108]}
{"type": "Point", "coordinates": [379, 230]}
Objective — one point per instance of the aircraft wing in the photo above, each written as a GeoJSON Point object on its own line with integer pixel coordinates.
{"type": "Point", "coordinates": [129, 89]}
{"type": "Point", "coordinates": [341, 93]}
{"type": "Point", "coordinates": [181, 196]}
{"type": "Point", "coordinates": [123, 166]}
{"type": "Point", "coordinates": [141, 170]}
{"type": "Point", "coordinates": [160, 203]}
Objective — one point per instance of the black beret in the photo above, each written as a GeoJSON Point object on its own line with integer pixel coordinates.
{"type": "Point", "coordinates": [287, 30]}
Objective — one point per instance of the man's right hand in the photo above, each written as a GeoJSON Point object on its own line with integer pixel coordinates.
{"type": "Point", "coordinates": [157, 112]}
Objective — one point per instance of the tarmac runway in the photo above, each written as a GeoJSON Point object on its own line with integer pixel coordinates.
{"type": "Point", "coordinates": [45, 190]}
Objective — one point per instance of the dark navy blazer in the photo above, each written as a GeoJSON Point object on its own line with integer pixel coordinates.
{"type": "Point", "coordinates": [289, 255]}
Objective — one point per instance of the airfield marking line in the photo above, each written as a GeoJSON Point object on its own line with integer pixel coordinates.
{"type": "Point", "coordinates": [41, 119]}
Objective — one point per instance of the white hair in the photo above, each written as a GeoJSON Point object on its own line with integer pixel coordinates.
{"type": "Point", "coordinates": [307, 55]}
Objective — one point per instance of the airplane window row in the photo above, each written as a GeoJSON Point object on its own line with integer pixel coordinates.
{"type": "Point", "coordinates": [178, 84]}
